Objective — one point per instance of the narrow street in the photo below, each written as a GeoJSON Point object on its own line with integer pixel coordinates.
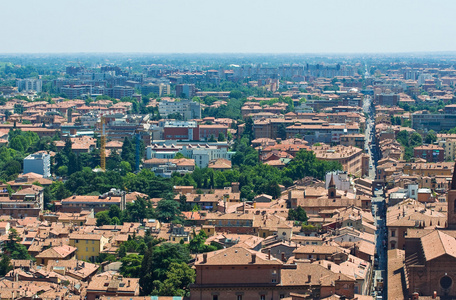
{"type": "Point", "coordinates": [378, 206]}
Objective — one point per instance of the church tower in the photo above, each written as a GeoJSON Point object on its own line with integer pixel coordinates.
{"type": "Point", "coordinates": [332, 188]}
{"type": "Point", "coordinates": [451, 202]}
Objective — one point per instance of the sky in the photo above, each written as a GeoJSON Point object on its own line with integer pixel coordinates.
{"type": "Point", "coordinates": [234, 26]}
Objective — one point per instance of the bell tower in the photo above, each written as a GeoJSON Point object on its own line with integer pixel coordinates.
{"type": "Point", "coordinates": [451, 202]}
{"type": "Point", "coordinates": [332, 188]}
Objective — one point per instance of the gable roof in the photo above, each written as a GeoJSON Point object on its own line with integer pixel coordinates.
{"type": "Point", "coordinates": [438, 243]}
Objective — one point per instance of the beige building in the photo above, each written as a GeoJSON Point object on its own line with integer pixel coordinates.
{"type": "Point", "coordinates": [353, 160]}
{"type": "Point", "coordinates": [448, 142]}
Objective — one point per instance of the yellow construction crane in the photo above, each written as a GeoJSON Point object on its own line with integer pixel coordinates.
{"type": "Point", "coordinates": [102, 144]}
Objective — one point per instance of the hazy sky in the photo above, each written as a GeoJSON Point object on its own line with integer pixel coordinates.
{"type": "Point", "coordinates": [254, 26]}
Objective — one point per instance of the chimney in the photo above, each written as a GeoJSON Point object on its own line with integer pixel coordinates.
{"type": "Point", "coordinates": [283, 256]}
{"type": "Point", "coordinates": [128, 284]}
{"type": "Point", "coordinates": [329, 267]}
{"type": "Point", "coordinates": [253, 258]}
{"type": "Point", "coordinates": [269, 254]}
{"type": "Point", "coordinates": [204, 258]}
{"type": "Point", "coordinates": [309, 278]}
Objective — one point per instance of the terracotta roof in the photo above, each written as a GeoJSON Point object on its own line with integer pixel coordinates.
{"type": "Point", "coordinates": [236, 256]}
{"type": "Point", "coordinates": [437, 244]}
{"type": "Point", "coordinates": [59, 252]}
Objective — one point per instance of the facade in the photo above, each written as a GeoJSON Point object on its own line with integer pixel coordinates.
{"type": "Point", "coordinates": [325, 133]}
{"type": "Point", "coordinates": [181, 131]}
{"type": "Point", "coordinates": [119, 92]}
{"type": "Point", "coordinates": [353, 160]}
{"type": "Point", "coordinates": [448, 142]}
{"type": "Point", "coordinates": [430, 153]}
{"type": "Point", "coordinates": [387, 99]}
{"type": "Point", "coordinates": [89, 246]}
{"type": "Point", "coordinates": [185, 90]}
{"type": "Point", "coordinates": [159, 89]}
{"type": "Point", "coordinates": [355, 140]}
{"type": "Point", "coordinates": [188, 109]}
{"type": "Point", "coordinates": [76, 204]}
{"type": "Point", "coordinates": [30, 84]}
{"type": "Point", "coordinates": [206, 132]}
{"type": "Point", "coordinates": [39, 163]}
{"type": "Point", "coordinates": [239, 273]}
{"type": "Point", "coordinates": [437, 122]}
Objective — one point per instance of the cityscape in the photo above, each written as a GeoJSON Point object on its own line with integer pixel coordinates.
{"type": "Point", "coordinates": [227, 151]}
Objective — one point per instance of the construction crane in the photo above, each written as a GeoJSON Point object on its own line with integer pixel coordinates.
{"type": "Point", "coordinates": [102, 144]}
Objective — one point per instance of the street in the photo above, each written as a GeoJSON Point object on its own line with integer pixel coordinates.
{"type": "Point", "coordinates": [378, 206]}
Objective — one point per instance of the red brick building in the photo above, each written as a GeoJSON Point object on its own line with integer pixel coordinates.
{"type": "Point", "coordinates": [242, 274]}
{"type": "Point", "coordinates": [431, 153]}
{"type": "Point", "coordinates": [208, 131]}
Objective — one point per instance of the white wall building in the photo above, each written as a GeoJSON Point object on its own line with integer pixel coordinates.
{"type": "Point", "coordinates": [29, 84]}
{"type": "Point", "coordinates": [39, 163]}
{"type": "Point", "coordinates": [202, 154]}
{"type": "Point", "coordinates": [342, 180]}
{"type": "Point", "coordinates": [187, 108]}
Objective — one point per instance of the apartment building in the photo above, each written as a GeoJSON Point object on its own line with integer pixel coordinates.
{"type": "Point", "coordinates": [355, 140]}
{"type": "Point", "coordinates": [159, 89]}
{"type": "Point", "coordinates": [39, 163]}
{"type": "Point", "coordinates": [76, 203]}
{"type": "Point", "coordinates": [424, 120]}
{"type": "Point", "coordinates": [188, 109]}
{"type": "Point", "coordinates": [187, 91]}
{"type": "Point", "coordinates": [387, 99]}
{"type": "Point", "coordinates": [29, 84]}
{"type": "Point", "coordinates": [325, 133]}
{"type": "Point", "coordinates": [181, 131]}
{"type": "Point", "coordinates": [430, 153]}
{"type": "Point", "coordinates": [207, 132]}
{"type": "Point", "coordinates": [448, 142]}
{"type": "Point", "coordinates": [89, 246]}
{"type": "Point", "coordinates": [353, 160]}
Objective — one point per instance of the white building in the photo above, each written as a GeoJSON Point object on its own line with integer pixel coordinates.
{"type": "Point", "coordinates": [202, 154]}
{"type": "Point", "coordinates": [187, 108]}
{"type": "Point", "coordinates": [29, 84]}
{"type": "Point", "coordinates": [342, 180]}
{"type": "Point", "coordinates": [39, 163]}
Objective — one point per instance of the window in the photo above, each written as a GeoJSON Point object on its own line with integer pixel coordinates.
{"type": "Point", "coordinates": [282, 296]}
{"type": "Point", "coordinates": [214, 297]}
{"type": "Point", "coordinates": [262, 297]}
{"type": "Point", "coordinates": [239, 297]}
{"type": "Point", "coordinates": [445, 282]}
{"type": "Point", "coordinates": [393, 233]}
{"type": "Point", "coordinates": [87, 248]}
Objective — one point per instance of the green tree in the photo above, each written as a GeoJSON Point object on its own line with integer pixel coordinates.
{"type": "Point", "coordinates": [156, 265]}
{"type": "Point", "coordinates": [13, 248]}
{"type": "Point", "coordinates": [297, 214]}
{"type": "Point", "coordinates": [131, 265]}
{"type": "Point", "coordinates": [431, 137]}
{"type": "Point", "coordinates": [103, 218]}
{"type": "Point", "coordinates": [221, 137]}
{"type": "Point", "coordinates": [168, 210]}
{"type": "Point", "coordinates": [5, 265]}
{"type": "Point", "coordinates": [177, 281]}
